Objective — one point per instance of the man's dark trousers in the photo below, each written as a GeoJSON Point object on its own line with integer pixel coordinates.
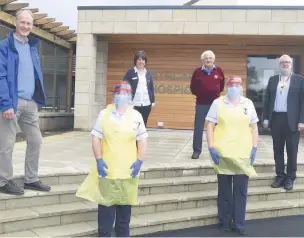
{"type": "Point", "coordinates": [232, 200]}
{"type": "Point", "coordinates": [106, 218]}
{"type": "Point", "coordinates": [282, 134]}
{"type": "Point", "coordinates": [201, 112]}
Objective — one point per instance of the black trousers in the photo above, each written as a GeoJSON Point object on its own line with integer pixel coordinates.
{"type": "Point", "coordinates": [145, 112]}
{"type": "Point", "coordinates": [201, 112]}
{"type": "Point", "coordinates": [106, 218]}
{"type": "Point", "coordinates": [282, 134]}
{"type": "Point", "coordinates": [232, 201]}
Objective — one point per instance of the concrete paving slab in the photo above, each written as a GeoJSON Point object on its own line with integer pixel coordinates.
{"type": "Point", "coordinates": [71, 152]}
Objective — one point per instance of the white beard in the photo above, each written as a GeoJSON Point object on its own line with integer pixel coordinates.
{"type": "Point", "coordinates": [284, 71]}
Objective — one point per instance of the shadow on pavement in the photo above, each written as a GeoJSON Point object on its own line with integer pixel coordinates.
{"type": "Point", "coordinates": [291, 226]}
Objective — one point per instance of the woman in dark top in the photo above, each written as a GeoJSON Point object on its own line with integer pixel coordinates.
{"type": "Point", "coordinates": [141, 82]}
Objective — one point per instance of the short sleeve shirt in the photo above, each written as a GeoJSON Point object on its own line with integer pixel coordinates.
{"type": "Point", "coordinates": [212, 115]}
{"type": "Point", "coordinates": [141, 132]}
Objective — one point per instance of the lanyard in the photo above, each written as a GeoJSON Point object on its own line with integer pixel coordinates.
{"type": "Point", "coordinates": [282, 83]}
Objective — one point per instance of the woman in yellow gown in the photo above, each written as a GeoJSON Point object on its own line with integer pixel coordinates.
{"type": "Point", "coordinates": [119, 144]}
{"type": "Point", "coordinates": [232, 136]}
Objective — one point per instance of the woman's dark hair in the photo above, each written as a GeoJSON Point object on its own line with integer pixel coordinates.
{"type": "Point", "coordinates": [140, 54]}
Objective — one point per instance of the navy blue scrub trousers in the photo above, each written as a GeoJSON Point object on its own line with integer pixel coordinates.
{"type": "Point", "coordinates": [232, 200]}
{"type": "Point", "coordinates": [106, 218]}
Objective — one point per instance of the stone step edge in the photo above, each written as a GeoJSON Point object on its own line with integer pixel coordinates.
{"type": "Point", "coordinates": [209, 218]}
{"type": "Point", "coordinates": [86, 206]}
{"type": "Point", "coordinates": [147, 183]}
{"type": "Point", "coordinates": [146, 200]}
{"type": "Point", "coordinates": [158, 167]}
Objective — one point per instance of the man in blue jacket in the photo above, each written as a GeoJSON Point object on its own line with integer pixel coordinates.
{"type": "Point", "coordinates": [21, 89]}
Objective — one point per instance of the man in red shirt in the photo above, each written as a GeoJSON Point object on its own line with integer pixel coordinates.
{"type": "Point", "coordinates": [207, 83]}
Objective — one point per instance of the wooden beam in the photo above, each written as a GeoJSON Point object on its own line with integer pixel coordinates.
{"type": "Point", "coordinates": [189, 3]}
{"type": "Point", "coordinates": [40, 16]}
{"type": "Point", "coordinates": [59, 28]}
{"type": "Point", "coordinates": [72, 40]}
{"type": "Point", "coordinates": [66, 32]}
{"type": "Point", "coordinates": [33, 10]}
{"type": "Point", "coordinates": [70, 82]}
{"type": "Point", "coordinates": [51, 25]}
{"type": "Point", "coordinates": [3, 2]}
{"type": "Point", "coordinates": [68, 36]}
{"type": "Point", "coordinates": [14, 7]}
{"type": "Point", "coordinates": [44, 21]}
{"type": "Point", "coordinates": [10, 20]}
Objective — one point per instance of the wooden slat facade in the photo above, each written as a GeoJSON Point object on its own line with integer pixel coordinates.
{"type": "Point", "coordinates": [173, 63]}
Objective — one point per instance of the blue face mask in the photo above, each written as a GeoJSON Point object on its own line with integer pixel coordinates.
{"type": "Point", "coordinates": [233, 92]}
{"type": "Point", "coordinates": [121, 100]}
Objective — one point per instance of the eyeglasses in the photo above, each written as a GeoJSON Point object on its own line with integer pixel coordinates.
{"type": "Point", "coordinates": [285, 62]}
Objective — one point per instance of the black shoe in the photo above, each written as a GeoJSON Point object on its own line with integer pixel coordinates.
{"type": "Point", "coordinates": [38, 186]}
{"type": "Point", "coordinates": [279, 182]}
{"type": "Point", "coordinates": [241, 231]}
{"type": "Point", "coordinates": [195, 155]}
{"type": "Point", "coordinates": [225, 227]}
{"type": "Point", "coordinates": [11, 188]}
{"type": "Point", "coordinates": [288, 184]}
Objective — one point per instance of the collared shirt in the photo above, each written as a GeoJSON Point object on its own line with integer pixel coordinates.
{"type": "Point", "coordinates": [141, 97]}
{"type": "Point", "coordinates": [212, 115]}
{"type": "Point", "coordinates": [141, 132]}
{"type": "Point", "coordinates": [25, 41]}
{"type": "Point", "coordinates": [280, 104]}
{"type": "Point", "coordinates": [26, 76]}
{"type": "Point", "coordinates": [203, 67]}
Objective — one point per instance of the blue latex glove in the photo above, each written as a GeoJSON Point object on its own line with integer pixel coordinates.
{"type": "Point", "coordinates": [214, 155]}
{"type": "Point", "coordinates": [101, 166]}
{"type": "Point", "coordinates": [136, 167]}
{"type": "Point", "coordinates": [252, 155]}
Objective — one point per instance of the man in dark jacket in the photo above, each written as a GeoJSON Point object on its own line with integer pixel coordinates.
{"type": "Point", "coordinates": [206, 84]}
{"type": "Point", "coordinates": [21, 89]}
{"type": "Point", "coordinates": [284, 115]}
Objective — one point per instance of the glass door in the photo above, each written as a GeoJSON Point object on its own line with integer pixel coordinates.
{"type": "Point", "coordinates": [259, 70]}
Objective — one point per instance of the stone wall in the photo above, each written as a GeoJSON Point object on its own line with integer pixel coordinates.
{"type": "Point", "coordinates": [90, 82]}
{"type": "Point", "coordinates": [192, 21]}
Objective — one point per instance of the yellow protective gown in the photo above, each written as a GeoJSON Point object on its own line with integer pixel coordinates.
{"type": "Point", "coordinates": [233, 140]}
{"type": "Point", "coordinates": [119, 152]}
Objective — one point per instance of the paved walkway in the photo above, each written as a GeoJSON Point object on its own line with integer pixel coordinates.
{"type": "Point", "coordinates": [71, 152]}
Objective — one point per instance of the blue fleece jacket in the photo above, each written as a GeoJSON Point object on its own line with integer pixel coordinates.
{"type": "Point", "coordinates": [9, 70]}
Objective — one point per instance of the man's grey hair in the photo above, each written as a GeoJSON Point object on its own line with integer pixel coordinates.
{"type": "Point", "coordinates": [208, 52]}
{"type": "Point", "coordinates": [24, 11]}
{"type": "Point", "coordinates": [285, 57]}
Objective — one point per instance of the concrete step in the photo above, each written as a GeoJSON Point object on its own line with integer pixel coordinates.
{"type": "Point", "coordinates": [149, 172]}
{"type": "Point", "coordinates": [195, 169]}
{"type": "Point", "coordinates": [199, 183]}
{"type": "Point", "coordinates": [164, 221]}
{"type": "Point", "coordinates": [198, 199]}
{"type": "Point", "coordinates": [15, 220]}
{"type": "Point", "coordinates": [150, 189]}
{"type": "Point", "coordinates": [59, 194]}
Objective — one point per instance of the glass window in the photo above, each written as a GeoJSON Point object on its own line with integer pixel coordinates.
{"type": "Point", "coordinates": [4, 30]}
{"type": "Point", "coordinates": [54, 61]}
